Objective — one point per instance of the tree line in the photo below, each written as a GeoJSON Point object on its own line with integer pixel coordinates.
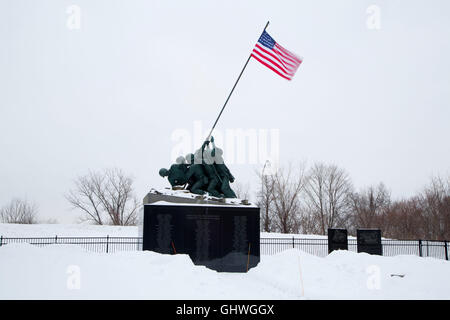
{"type": "Point", "coordinates": [292, 200]}
{"type": "Point", "coordinates": [102, 197]}
{"type": "Point", "coordinates": [300, 200]}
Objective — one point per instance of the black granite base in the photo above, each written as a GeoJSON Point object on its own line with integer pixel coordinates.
{"type": "Point", "coordinates": [222, 238]}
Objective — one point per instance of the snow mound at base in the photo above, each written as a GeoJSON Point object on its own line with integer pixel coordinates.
{"type": "Point", "coordinates": [68, 272]}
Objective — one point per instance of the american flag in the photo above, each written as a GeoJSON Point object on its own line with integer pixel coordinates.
{"type": "Point", "coordinates": [275, 57]}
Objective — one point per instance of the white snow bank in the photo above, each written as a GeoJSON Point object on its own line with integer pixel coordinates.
{"type": "Point", "coordinates": [290, 235]}
{"type": "Point", "coordinates": [85, 230]}
{"type": "Point", "coordinates": [65, 230]}
{"type": "Point", "coordinates": [54, 272]}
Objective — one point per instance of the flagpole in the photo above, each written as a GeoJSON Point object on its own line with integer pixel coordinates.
{"type": "Point", "coordinates": [226, 101]}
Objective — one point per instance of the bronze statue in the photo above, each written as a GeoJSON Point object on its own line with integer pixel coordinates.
{"type": "Point", "coordinates": [202, 172]}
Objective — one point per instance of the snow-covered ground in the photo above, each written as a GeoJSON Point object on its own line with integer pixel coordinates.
{"type": "Point", "coordinates": [67, 272]}
{"type": "Point", "coordinates": [65, 230]}
{"type": "Point", "coordinates": [55, 271]}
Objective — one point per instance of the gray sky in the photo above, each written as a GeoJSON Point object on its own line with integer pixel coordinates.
{"type": "Point", "coordinates": [112, 93]}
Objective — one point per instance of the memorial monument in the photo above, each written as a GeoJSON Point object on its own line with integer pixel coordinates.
{"type": "Point", "coordinates": [200, 215]}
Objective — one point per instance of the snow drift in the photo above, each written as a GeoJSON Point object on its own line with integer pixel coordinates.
{"type": "Point", "coordinates": [68, 272]}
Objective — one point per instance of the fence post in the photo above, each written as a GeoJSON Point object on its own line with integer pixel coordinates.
{"type": "Point", "coordinates": [56, 239]}
{"type": "Point", "coordinates": [293, 243]}
{"type": "Point", "coordinates": [1, 240]}
{"type": "Point", "coordinates": [420, 247]}
{"type": "Point", "coordinates": [446, 250]}
{"type": "Point", "coordinates": [107, 243]}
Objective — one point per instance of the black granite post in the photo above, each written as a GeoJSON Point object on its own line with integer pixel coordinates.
{"type": "Point", "coordinates": [337, 240]}
{"type": "Point", "coordinates": [369, 241]}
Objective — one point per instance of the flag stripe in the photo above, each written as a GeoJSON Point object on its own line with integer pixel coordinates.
{"type": "Point", "coordinates": [270, 67]}
{"type": "Point", "coordinates": [288, 67]}
{"type": "Point", "coordinates": [285, 57]}
{"type": "Point", "coordinates": [289, 62]}
{"type": "Point", "coordinates": [288, 53]}
{"type": "Point", "coordinates": [269, 61]}
{"type": "Point", "coordinates": [272, 62]}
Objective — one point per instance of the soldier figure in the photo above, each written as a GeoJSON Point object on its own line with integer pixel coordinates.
{"type": "Point", "coordinates": [222, 170]}
{"type": "Point", "coordinates": [208, 165]}
{"type": "Point", "coordinates": [177, 172]}
{"type": "Point", "coordinates": [196, 178]}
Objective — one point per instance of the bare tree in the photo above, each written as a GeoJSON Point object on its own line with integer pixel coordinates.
{"type": "Point", "coordinates": [423, 216]}
{"type": "Point", "coordinates": [327, 196]}
{"type": "Point", "coordinates": [242, 191]}
{"type": "Point", "coordinates": [105, 197]}
{"type": "Point", "coordinates": [403, 219]}
{"type": "Point", "coordinates": [19, 211]}
{"type": "Point", "coordinates": [435, 200]}
{"type": "Point", "coordinates": [287, 187]}
{"type": "Point", "coordinates": [265, 201]}
{"type": "Point", "coordinates": [369, 205]}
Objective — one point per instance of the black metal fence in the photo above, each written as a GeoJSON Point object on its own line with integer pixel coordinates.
{"type": "Point", "coordinates": [315, 246]}
{"type": "Point", "coordinates": [96, 244]}
{"type": "Point", "coordinates": [319, 247]}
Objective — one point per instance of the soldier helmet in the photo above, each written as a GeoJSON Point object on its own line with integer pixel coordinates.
{"type": "Point", "coordinates": [163, 172]}
{"type": "Point", "coordinates": [190, 158]}
{"type": "Point", "coordinates": [180, 160]}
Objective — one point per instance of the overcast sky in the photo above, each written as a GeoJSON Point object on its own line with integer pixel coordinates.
{"type": "Point", "coordinates": [375, 101]}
